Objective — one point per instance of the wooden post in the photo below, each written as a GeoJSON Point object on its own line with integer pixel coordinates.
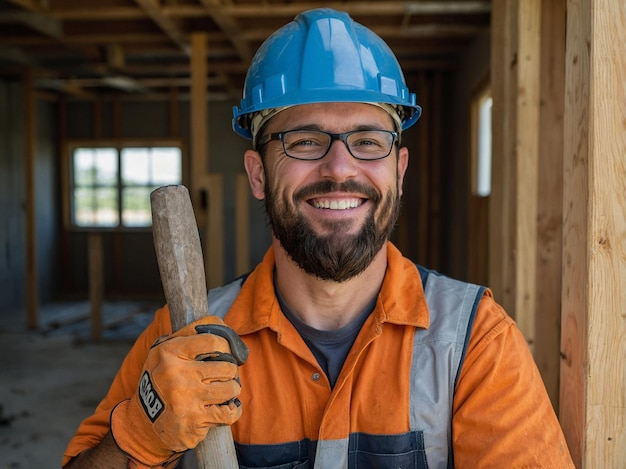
{"type": "Point", "coordinates": [199, 126]}
{"type": "Point", "coordinates": [513, 211]}
{"type": "Point", "coordinates": [30, 135]}
{"type": "Point", "coordinates": [550, 187]}
{"type": "Point", "coordinates": [214, 232]}
{"type": "Point", "coordinates": [96, 282]}
{"type": "Point", "coordinates": [501, 208]}
{"type": "Point", "coordinates": [423, 176]}
{"type": "Point", "coordinates": [593, 343]}
{"type": "Point", "coordinates": [526, 157]}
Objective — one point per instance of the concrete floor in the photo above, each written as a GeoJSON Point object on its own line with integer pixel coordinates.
{"type": "Point", "coordinates": [52, 378]}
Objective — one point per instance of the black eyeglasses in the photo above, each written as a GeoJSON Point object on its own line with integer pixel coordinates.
{"type": "Point", "coordinates": [315, 144]}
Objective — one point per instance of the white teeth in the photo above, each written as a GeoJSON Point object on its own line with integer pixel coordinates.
{"type": "Point", "coordinates": [337, 204]}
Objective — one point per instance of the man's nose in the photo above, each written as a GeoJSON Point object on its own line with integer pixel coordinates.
{"type": "Point", "coordinates": [338, 163]}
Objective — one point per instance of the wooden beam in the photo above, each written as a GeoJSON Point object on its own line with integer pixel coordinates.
{"type": "Point", "coordinates": [526, 158]}
{"type": "Point", "coordinates": [29, 5]}
{"type": "Point", "coordinates": [593, 343]}
{"type": "Point", "coordinates": [15, 55]}
{"type": "Point", "coordinates": [199, 125]}
{"type": "Point", "coordinates": [261, 9]}
{"type": "Point", "coordinates": [434, 174]}
{"type": "Point", "coordinates": [173, 112]}
{"type": "Point", "coordinates": [214, 232]}
{"type": "Point", "coordinates": [95, 258]}
{"type": "Point", "coordinates": [167, 25]}
{"type": "Point", "coordinates": [515, 143]}
{"type": "Point", "coordinates": [230, 27]}
{"type": "Point", "coordinates": [503, 82]}
{"type": "Point", "coordinates": [268, 10]}
{"type": "Point", "coordinates": [550, 189]}
{"type": "Point", "coordinates": [424, 162]}
{"type": "Point", "coordinates": [38, 22]}
{"type": "Point", "coordinates": [30, 199]}
{"type": "Point", "coordinates": [390, 32]}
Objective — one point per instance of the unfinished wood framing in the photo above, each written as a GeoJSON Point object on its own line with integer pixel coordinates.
{"type": "Point", "coordinates": [526, 203]}
{"type": "Point", "coordinates": [503, 79]}
{"type": "Point", "coordinates": [199, 125]}
{"type": "Point", "coordinates": [214, 232]}
{"type": "Point", "coordinates": [593, 375]}
{"type": "Point", "coordinates": [550, 189]}
{"type": "Point", "coordinates": [513, 228]}
{"type": "Point", "coordinates": [423, 175]}
{"type": "Point", "coordinates": [30, 134]}
{"type": "Point", "coordinates": [95, 258]}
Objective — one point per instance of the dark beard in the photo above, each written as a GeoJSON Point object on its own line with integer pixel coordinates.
{"type": "Point", "coordinates": [337, 257]}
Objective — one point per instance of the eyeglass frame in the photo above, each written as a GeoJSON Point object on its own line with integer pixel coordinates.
{"type": "Point", "coordinates": [280, 136]}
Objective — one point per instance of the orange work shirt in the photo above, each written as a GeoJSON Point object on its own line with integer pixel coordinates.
{"type": "Point", "coordinates": [501, 415]}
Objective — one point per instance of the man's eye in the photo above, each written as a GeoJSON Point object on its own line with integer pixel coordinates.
{"type": "Point", "coordinates": [365, 142]}
{"type": "Point", "coordinates": [304, 143]}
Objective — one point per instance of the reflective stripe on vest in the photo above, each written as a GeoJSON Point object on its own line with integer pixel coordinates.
{"type": "Point", "coordinates": [438, 354]}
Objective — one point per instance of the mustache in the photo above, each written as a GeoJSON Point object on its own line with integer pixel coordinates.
{"type": "Point", "coordinates": [349, 186]}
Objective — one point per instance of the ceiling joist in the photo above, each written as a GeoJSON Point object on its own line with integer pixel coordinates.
{"type": "Point", "coordinates": [142, 47]}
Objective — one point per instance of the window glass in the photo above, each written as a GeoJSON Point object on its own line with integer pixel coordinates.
{"type": "Point", "coordinates": [111, 186]}
{"type": "Point", "coordinates": [483, 183]}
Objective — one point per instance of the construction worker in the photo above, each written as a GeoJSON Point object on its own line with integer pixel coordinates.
{"type": "Point", "coordinates": [357, 357]}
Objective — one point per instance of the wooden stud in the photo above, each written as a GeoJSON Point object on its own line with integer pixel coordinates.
{"type": "Point", "coordinates": [96, 282]}
{"type": "Point", "coordinates": [199, 125]}
{"type": "Point", "coordinates": [550, 189]}
{"type": "Point", "coordinates": [513, 208]}
{"type": "Point", "coordinates": [503, 51]}
{"type": "Point", "coordinates": [173, 112]}
{"type": "Point", "coordinates": [30, 135]}
{"type": "Point", "coordinates": [526, 157]}
{"type": "Point", "coordinates": [214, 232]}
{"type": "Point", "coordinates": [434, 176]}
{"type": "Point", "coordinates": [423, 176]}
{"type": "Point", "coordinates": [593, 334]}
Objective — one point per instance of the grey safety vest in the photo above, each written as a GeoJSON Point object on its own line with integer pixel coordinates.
{"type": "Point", "coordinates": [438, 354]}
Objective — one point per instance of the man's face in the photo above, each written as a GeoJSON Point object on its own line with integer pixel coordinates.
{"type": "Point", "coordinates": [333, 215]}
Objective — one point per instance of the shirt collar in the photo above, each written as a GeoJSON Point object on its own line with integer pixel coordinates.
{"type": "Point", "coordinates": [400, 301]}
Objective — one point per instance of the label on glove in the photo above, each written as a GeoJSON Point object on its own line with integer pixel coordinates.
{"type": "Point", "coordinates": [150, 400]}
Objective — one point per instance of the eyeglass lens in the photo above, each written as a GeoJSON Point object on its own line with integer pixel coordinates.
{"type": "Point", "coordinates": [314, 144]}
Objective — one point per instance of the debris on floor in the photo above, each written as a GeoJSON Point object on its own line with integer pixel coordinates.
{"type": "Point", "coordinates": [52, 378]}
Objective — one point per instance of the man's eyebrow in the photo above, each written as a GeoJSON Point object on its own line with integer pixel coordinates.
{"type": "Point", "coordinates": [320, 128]}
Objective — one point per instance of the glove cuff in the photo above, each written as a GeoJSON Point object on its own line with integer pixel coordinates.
{"type": "Point", "coordinates": [133, 435]}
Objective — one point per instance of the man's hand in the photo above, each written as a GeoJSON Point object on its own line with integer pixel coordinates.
{"type": "Point", "coordinates": [189, 384]}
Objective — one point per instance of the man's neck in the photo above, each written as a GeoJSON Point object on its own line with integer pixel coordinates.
{"type": "Point", "coordinates": [323, 304]}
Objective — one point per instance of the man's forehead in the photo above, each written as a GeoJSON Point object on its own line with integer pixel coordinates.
{"type": "Point", "coordinates": [320, 114]}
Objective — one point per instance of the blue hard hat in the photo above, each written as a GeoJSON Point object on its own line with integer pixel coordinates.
{"type": "Point", "coordinates": [323, 56]}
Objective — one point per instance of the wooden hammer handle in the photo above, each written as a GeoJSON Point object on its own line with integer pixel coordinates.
{"type": "Point", "coordinates": [179, 255]}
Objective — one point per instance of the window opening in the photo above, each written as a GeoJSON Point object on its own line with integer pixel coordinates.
{"type": "Point", "coordinates": [111, 185]}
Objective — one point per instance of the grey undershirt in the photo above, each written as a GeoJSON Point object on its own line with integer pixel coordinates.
{"type": "Point", "coordinates": [330, 348]}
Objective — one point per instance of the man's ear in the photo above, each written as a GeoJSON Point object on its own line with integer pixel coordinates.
{"type": "Point", "coordinates": [403, 163]}
{"type": "Point", "coordinates": [256, 175]}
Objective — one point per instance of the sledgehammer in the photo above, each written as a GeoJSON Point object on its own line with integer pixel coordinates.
{"type": "Point", "coordinates": [181, 265]}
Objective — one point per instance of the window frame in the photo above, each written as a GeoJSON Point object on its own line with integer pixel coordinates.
{"type": "Point", "coordinates": [68, 185]}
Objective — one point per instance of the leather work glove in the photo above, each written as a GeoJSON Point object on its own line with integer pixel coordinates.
{"type": "Point", "coordinates": [189, 384]}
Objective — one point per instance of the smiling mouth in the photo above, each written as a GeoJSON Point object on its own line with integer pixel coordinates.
{"type": "Point", "coordinates": [337, 204]}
